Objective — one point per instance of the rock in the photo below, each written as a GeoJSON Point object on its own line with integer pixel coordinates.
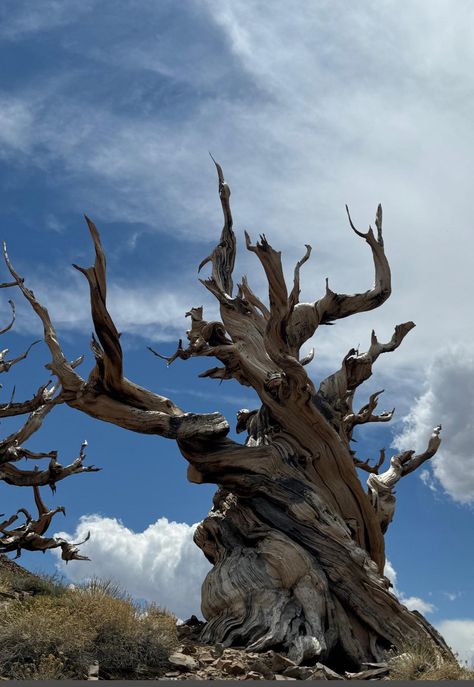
{"type": "Point", "coordinates": [253, 675]}
{"type": "Point", "coordinates": [318, 675]}
{"type": "Point", "coordinates": [279, 663]}
{"type": "Point", "coordinates": [193, 622]}
{"type": "Point", "coordinates": [183, 662]}
{"type": "Point", "coordinates": [298, 672]}
{"type": "Point", "coordinates": [188, 649]}
{"type": "Point", "coordinates": [172, 674]}
{"type": "Point", "coordinates": [218, 650]}
{"type": "Point", "coordinates": [329, 674]}
{"type": "Point", "coordinates": [258, 666]}
{"type": "Point", "coordinates": [93, 671]}
{"type": "Point", "coordinates": [236, 667]}
{"type": "Point", "coordinates": [222, 663]}
{"type": "Point", "coordinates": [367, 674]}
{"type": "Point", "coordinates": [206, 658]}
{"type": "Point", "coordinates": [283, 677]}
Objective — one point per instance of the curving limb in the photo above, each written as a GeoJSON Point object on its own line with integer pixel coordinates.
{"type": "Point", "coordinates": [108, 395]}
{"type": "Point", "coordinates": [59, 365]}
{"type": "Point", "coordinates": [5, 365]}
{"type": "Point", "coordinates": [381, 487]}
{"type": "Point", "coordinates": [12, 321]}
{"type": "Point", "coordinates": [223, 255]}
{"type": "Point", "coordinates": [337, 306]}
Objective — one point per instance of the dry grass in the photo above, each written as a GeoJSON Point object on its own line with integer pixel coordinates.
{"type": "Point", "coordinates": [58, 635]}
{"type": "Point", "coordinates": [51, 585]}
{"type": "Point", "coordinates": [421, 662]}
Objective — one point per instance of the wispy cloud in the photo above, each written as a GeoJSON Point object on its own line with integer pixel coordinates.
{"type": "Point", "coordinates": [18, 20]}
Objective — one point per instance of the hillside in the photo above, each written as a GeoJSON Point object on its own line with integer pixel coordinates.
{"type": "Point", "coordinates": [49, 630]}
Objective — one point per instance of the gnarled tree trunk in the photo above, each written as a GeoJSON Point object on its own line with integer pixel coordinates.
{"type": "Point", "coordinates": [296, 543]}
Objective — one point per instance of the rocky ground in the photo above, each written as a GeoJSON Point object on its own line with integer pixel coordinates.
{"type": "Point", "coordinates": [195, 661]}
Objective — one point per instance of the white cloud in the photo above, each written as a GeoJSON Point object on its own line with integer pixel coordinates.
{"type": "Point", "coordinates": [413, 603]}
{"type": "Point", "coordinates": [160, 564]}
{"type": "Point", "coordinates": [448, 399]}
{"type": "Point", "coordinates": [459, 634]}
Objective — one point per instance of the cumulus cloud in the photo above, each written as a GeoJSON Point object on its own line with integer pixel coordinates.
{"type": "Point", "coordinates": [448, 399]}
{"type": "Point", "coordinates": [413, 603]}
{"type": "Point", "coordinates": [161, 564]}
{"type": "Point", "coordinates": [459, 634]}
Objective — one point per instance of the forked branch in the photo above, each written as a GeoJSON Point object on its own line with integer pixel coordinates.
{"type": "Point", "coordinates": [381, 487]}
{"type": "Point", "coordinates": [337, 306]}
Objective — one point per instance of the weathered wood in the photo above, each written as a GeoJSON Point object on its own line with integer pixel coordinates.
{"type": "Point", "coordinates": [296, 543]}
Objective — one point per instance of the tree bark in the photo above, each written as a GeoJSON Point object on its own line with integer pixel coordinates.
{"type": "Point", "coordinates": [296, 541]}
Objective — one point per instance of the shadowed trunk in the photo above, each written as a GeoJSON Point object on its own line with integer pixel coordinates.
{"type": "Point", "coordinates": [296, 541]}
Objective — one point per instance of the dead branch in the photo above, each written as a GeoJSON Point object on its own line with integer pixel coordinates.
{"type": "Point", "coordinates": [365, 465]}
{"type": "Point", "coordinates": [381, 487]}
{"type": "Point", "coordinates": [223, 255]}
{"type": "Point", "coordinates": [30, 536]}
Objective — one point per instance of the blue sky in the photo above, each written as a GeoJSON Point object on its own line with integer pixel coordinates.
{"type": "Point", "coordinates": [110, 108]}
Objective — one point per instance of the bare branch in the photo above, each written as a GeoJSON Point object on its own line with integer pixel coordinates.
{"type": "Point", "coordinates": [39, 478]}
{"type": "Point", "coordinates": [223, 255]}
{"type": "Point", "coordinates": [9, 447]}
{"type": "Point", "coordinates": [12, 321]}
{"type": "Point", "coordinates": [365, 465]}
{"type": "Point", "coordinates": [106, 331]}
{"type": "Point", "coordinates": [69, 379]}
{"type": "Point", "coordinates": [381, 487]}
{"type": "Point", "coordinates": [11, 409]}
{"type": "Point", "coordinates": [30, 535]}
{"type": "Point", "coordinates": [295, 292]}
{"type": "Point", "coordinates": [365, 414]}
{"type": "Point", "coordinates": [414, 462]}
{"type": "Point", "coordinates": [356, 368]}
{"type": "Point", "coordinates": [337, 306]}
{"type": "Point", "coordinates": [5, 365]}
{"type": "Point", "coordinates": [308, 358]}
{"type": "Point", "coordinates": [307, 317]}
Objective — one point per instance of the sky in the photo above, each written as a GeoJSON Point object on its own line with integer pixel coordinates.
{"type": "Point", "coordinates": [110, 108]}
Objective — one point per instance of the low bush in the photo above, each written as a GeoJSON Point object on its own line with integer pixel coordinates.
{"type": "Point", "coordinates": [422, 662]}
{"type": "Point", "coordinates": [58, 635]}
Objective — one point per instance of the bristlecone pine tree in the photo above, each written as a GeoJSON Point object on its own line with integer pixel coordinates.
{"type": "Point", "coordinates": [296, 541]}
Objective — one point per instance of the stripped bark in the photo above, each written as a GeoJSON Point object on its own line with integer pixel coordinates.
{"type": "Point", "coordinates": [296, 542]}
